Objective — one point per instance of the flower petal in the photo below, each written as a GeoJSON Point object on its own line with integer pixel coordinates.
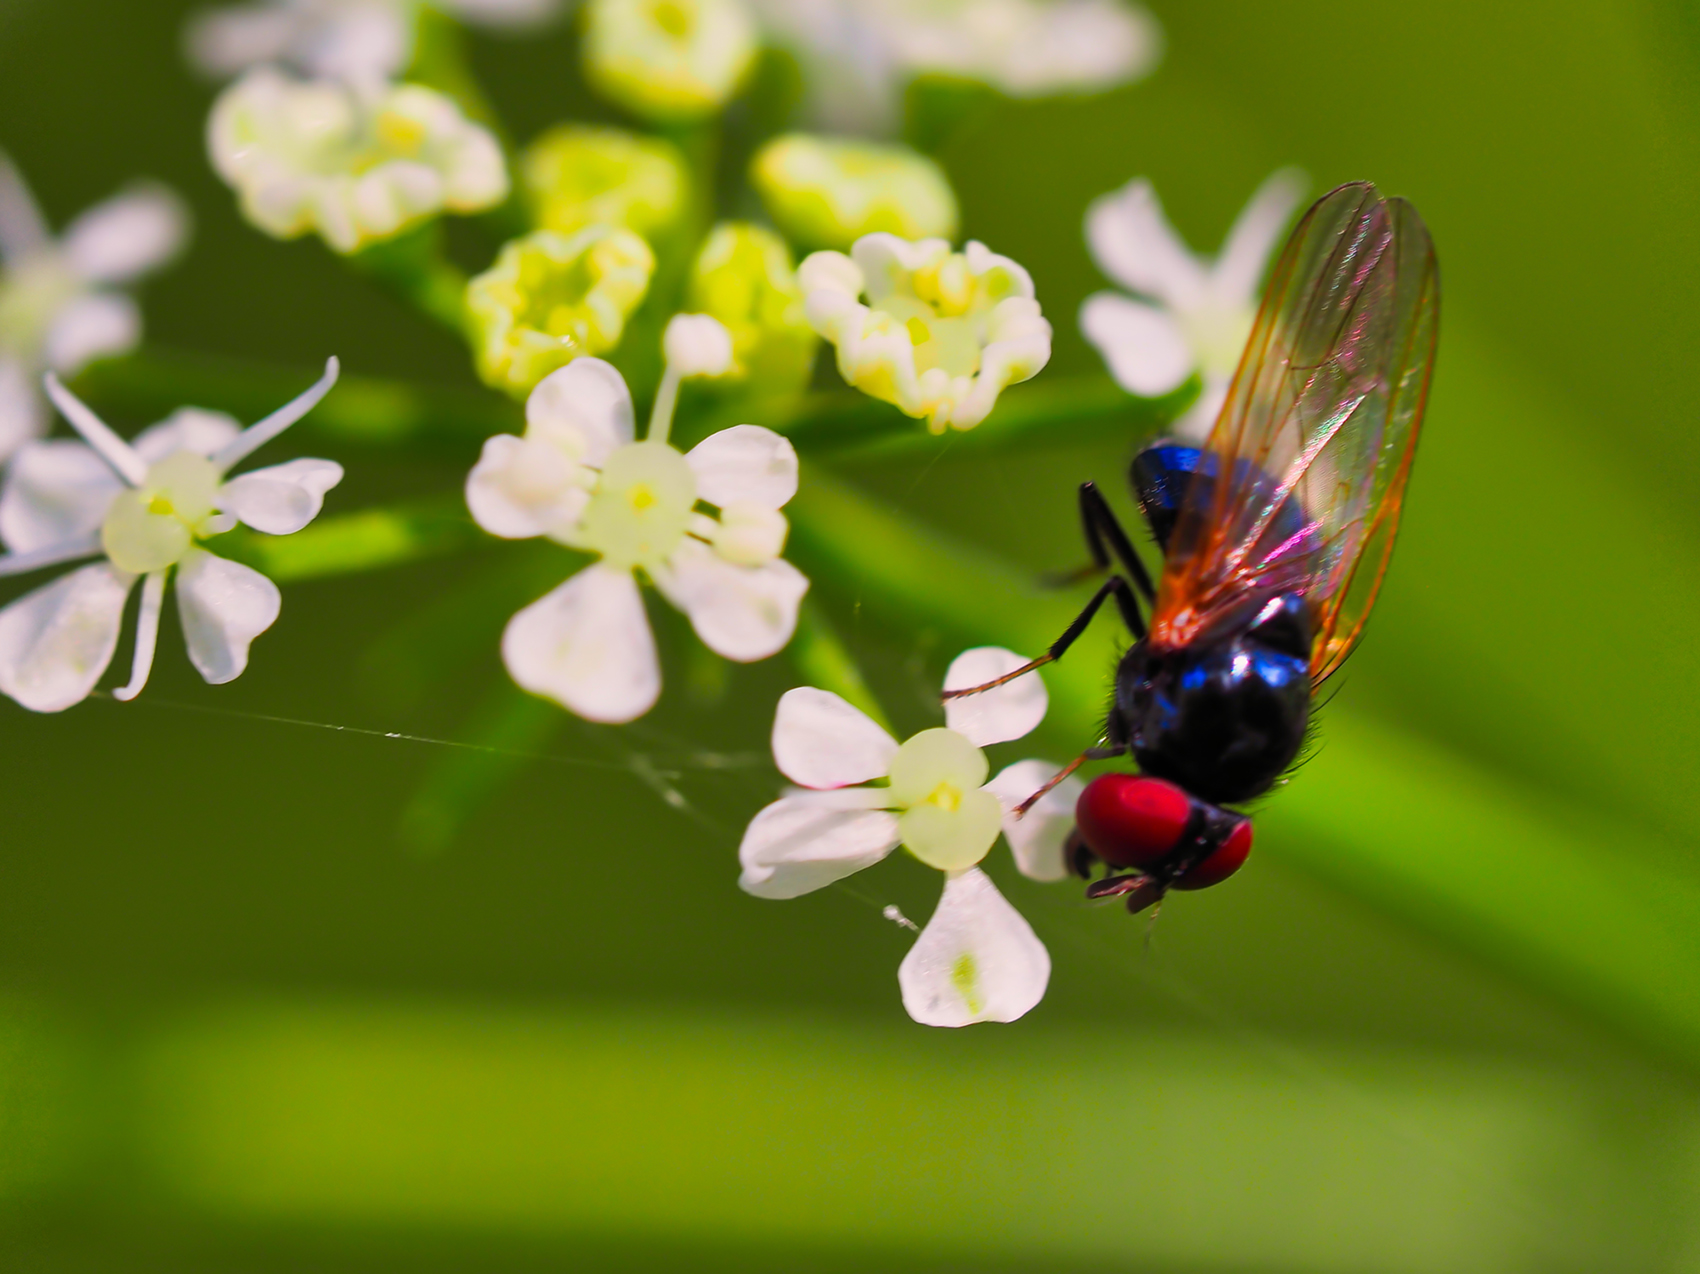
{"type": "Point", "coordinates": [993, 716]}
{"type": "Point", "coordinates": [523, 487]}
{"type": "Point", "coordinates": [587, 398]}
{"type": "Point", "coordinates": [745, 463]}
{"type": "Point", "coordinates": [587, 645]}
{"type": "Point", "coordinates": [282, 499]}
{"type": "Point", "coordinates": [806, 841]}
{"type": "Point", "coordinates": [741, 612]}
{"type": "Point", "coordinates": [55, 492]}
{"type": "Point", "coordinates": [128, 235]}
{"type": "Point", "coordinates": [1146, 352]}
{"type": "Point", "coordinates": [976, 961]}
{"type": "Point", "coordinates": [224, 606]}
{"type": "Point", "coordinates": [22, 228]}
{"type": "Point", "coordinates": [23, 413]}
{"type": "Point", "coordinates": [56, 641]}
{"type": "Point", "coordinates": [1256, 231]}
{"type": "Point", "coordinates": [1038, 836]}
{"type": "Point", "coordinates": [194, 429]}
{"type": "Point", "coordinates": [93, 325]}
{"type": "Point", "coordinates": [820, 741]}
{"type": "Point", "coordinates": [1133, 243]}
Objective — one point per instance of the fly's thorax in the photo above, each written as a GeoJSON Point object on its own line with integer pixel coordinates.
{"type": "Point", "coordinates": [150, 527]}
{"type": "Point", "coordinates": [1223, 718]}
{"type": "Point", "coordinates": [642, 506]}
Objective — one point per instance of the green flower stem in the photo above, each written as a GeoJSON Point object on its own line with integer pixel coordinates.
{"type": "Point", "coordinates": [350, 543]}
{"type": "Point", "coordinates": [824, 661]}
{"type": "Point", "coordinates": [1397, 821]}
{"type": "Point", "coordinates": [361, 409]}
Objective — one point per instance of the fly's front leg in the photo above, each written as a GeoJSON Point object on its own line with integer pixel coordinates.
{"type": "Point", "coordinates": [1126, 602]}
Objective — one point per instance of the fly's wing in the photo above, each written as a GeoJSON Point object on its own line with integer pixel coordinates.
{"type": "Point", "coordinates": [1306, 467]}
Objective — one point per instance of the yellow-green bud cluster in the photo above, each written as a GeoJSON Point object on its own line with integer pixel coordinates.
{"type": "Point", "coordinates": [744, 277]}
{"type": "Point", "coordinates": [551, 298]}
{"type": "Point", "coordinates": [827, 192]}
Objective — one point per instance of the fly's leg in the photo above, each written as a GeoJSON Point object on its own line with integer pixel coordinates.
{"type": "Point", "coordinates": [1126, 602]}
{"type": "Point", "coordinates": [1104, 538]}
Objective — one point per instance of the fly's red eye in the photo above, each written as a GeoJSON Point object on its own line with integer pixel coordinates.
{"type": "Point", "coordinates": [1221, 863]}
{"type": "Point", "coordinates": [1130, 820]}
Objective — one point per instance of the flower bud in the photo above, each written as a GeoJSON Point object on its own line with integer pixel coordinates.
{"type": "Point", "coordinates": [670, 61]}
{"type": "Point", "coordinates": [697, 345]}
{"type": "Point", "coordinates": [827, 192]}
{"type": "Point", "coordinates": [743, 276]}
{"type": "Point", "coordinates": [579, 175]}
{"type": "Point", "coordinates": [550, 298]}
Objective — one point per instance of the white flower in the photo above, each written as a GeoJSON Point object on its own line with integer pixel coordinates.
{"type": "Point", "coordinates": [579, 477]}
{"type": "Point", "coordinates": [977, 960]}
{"type": "Point", "coordinates": [941, 332]}
{"type": "Point", "coordinates": [1200, 312]}
{"type": "Point", "coordinates": [355, 166]}
{"type": "Point", "coordinates": [360, 41]}
{"type": "Point", "coordinates": [59, 306]}
{"type": "Point", "coordinates": [141, 507]}
{"type": "Point", "coordinates": [858, 53]}
{"type": "Point", "coordinates": [670, 61]}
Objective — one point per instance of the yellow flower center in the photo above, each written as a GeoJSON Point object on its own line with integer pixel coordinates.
{"type": "Point", "coordinates": [947, 796]}
{"type": "Point", "coordinates": [673, 18]}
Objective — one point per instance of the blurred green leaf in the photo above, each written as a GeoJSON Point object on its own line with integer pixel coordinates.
{"type": "Point", "coordinates": [360, 409]}
{"type": "Point", "coordinates": [348, 543]}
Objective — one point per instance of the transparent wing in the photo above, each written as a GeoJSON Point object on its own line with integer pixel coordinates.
{"type": "Point", "coordinates": [1305, 470]}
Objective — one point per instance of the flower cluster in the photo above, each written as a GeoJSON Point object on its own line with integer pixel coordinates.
{"type": "Point", "coordinates": [143, 508]}
{"type": "Point", "coordinates": [862, 795]}
{"type": "Point", "coordinates": [1199, 313]}
{"type": "Point", "coordinates": [935, 332]}
{"type": "Point", "coordinates": [60, 306]}
{"type": "Point", "coordinates": [579, 477]}
{"type": "Point", "coordinates": [353, 165]}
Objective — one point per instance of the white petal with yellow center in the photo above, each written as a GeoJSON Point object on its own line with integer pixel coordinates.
{"type": "Point", "coordinates": [977, 960]}
{"type": "Point", "coordinates": [641, 508]}
{"type": "Point", "coordinates": [946, 821]}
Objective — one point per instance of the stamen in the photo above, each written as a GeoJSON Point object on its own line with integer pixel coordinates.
{"type": "Point", "coordinates": [1056, 778]}
{"type": "Point", "coordinates": [20, 563]}
{"type": "Point", "coordinates": [1004, 680]}
{"type": "Point", "coordinates": [147, 635]}
{"type": "Point", "coordinates": [263, 431]}
{"type": "Point", "coordinates": [108, 445]}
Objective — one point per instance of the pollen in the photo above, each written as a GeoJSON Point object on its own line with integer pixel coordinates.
{"type": "Point", "coordinates": [919, 332]}
{"type": "Point", "coordinates": [947, 796]}
{"type": "Point", "coordinates": [162, 507]}
{"type": "Point", "coordinates": [642, 496]}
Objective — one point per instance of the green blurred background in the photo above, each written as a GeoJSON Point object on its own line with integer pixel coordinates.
{"type": "Point", "coordinates": [1448, 1018]}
